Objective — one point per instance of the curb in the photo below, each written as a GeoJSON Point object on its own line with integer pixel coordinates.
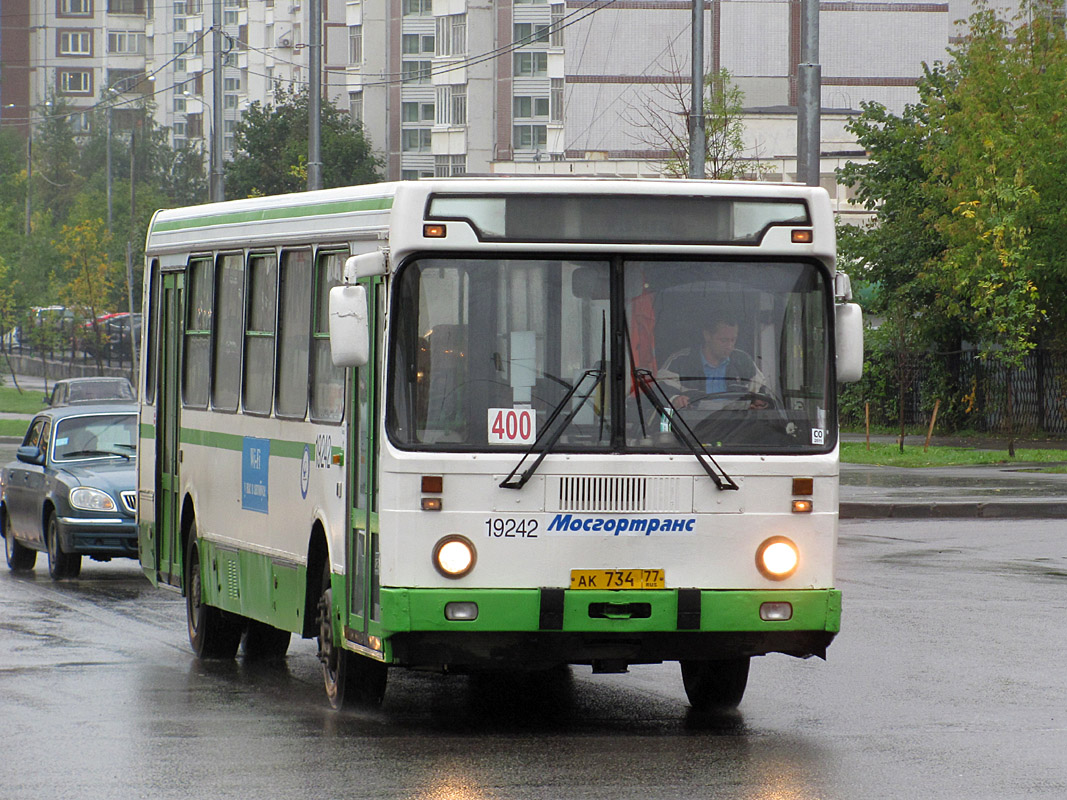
{"type": "Point", "coordinates": [974, 510]}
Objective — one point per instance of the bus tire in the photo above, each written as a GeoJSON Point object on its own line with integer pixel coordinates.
{"type": "Point", "coordinates": [211, 633]}
{"type": "Point", "coordinates": [349, 679]}
{"type": "Point", "coordinates": [61, 564]}
{"type": "Point", "coordinates": [19, 557]}
{"type": "Point", "coordinates": [263, 642]}
{"type": "Point", "coordinates": [715, 685]}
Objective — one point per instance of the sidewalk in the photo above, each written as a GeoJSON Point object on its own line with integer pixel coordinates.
{"type": "Point", "coordinates": [1003, 491]}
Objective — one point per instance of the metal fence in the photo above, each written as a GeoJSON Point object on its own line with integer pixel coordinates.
{"type": "Point", "coordinates": [975, 393]}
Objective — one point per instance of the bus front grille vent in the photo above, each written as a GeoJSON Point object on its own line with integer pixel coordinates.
{"type": "Point", "coordinates": [617, 494]}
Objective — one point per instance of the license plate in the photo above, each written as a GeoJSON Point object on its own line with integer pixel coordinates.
{"type": "Point", "coordinates": [618, 579]}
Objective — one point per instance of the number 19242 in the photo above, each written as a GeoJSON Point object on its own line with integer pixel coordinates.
{"type": "Point", "coordinates": [500, 528]}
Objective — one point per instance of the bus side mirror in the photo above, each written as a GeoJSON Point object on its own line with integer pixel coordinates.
{"type": "Point", "coordinates": [349, 328]}
{"type": "Point", "coordinates": [849, 343]}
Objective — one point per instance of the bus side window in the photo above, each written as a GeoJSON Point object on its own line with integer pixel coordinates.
{"type": "Point", "coordinates": [327, 381]}
{"type": "Point", "coordinates": [294, 335]}
{"type": "Point", "coordinates": [259, 333]}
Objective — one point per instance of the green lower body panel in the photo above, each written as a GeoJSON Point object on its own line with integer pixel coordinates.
{"type": "Point", "coordinates": [537, 628]}
{"type": "Point", "coordinates": [255, 586]}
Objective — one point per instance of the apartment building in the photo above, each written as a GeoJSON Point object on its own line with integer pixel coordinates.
{"type": "Point", "coordinates": [447, 87]}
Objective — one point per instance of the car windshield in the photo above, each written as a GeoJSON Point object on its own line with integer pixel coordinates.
{"type": "Point", "coordinates": [485, 350]}
{"type": "Point", "coordinates": [95, 436]}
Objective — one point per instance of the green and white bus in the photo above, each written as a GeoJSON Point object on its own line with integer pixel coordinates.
{"type": "Point", "coordinates": [480, 424]}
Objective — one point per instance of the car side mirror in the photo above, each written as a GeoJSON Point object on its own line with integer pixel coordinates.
{"type": "Point", "coordinates": [28, 454]}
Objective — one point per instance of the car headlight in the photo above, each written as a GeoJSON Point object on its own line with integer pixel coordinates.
{"type": "Point", "coordinates": [86, 498]}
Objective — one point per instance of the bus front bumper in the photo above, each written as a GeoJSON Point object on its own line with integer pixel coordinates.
{"type": "Point", "coordinates": [540, 628]}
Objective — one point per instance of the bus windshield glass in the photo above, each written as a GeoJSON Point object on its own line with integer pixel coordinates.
{"type": "Point", "coordinates": [486, 350]}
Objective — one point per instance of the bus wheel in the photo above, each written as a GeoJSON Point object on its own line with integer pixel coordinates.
{"type": "Point", "coordinates": [61, 564]}
{"type": "Point", "coordinates": [263, 642]}
{"type": "Point", "coordinates": [19, 558]}
{"type": "Point", "coordinates": [348, 678]}
{"type": "Point", "coordinates": [211, 634]}
{"type": "Point", "coordinates": [715, 685]}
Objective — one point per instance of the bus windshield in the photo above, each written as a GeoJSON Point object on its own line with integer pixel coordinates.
{"type": "Point", "coordinates": [486, 350]}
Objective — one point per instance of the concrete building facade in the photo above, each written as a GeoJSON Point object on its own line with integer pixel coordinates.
{"type": "Point", "coordinates": [447, 87]}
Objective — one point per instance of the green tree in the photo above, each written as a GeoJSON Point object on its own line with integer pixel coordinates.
{"type": "Point", "coordinates": [272, 143]}
{"type": "Point", "coordinates": [88, 276]}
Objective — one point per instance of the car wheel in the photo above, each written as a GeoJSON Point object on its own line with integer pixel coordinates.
{"type": "Point", "coordinates": [19, 558]}
{"type": "Point", "coordinates": [212, 633]}
{"type": "Point", "coordinates": [61, 564]}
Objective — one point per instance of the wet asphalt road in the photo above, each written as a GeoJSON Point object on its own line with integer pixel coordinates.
{"type": "Point", "coordinates": [948, 681]}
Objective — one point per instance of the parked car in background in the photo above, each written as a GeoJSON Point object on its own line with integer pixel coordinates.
{"type": "Point", "coordinates": [90, 390]}
{"type": "Point", "coordinates": [72, 491]}
{"type": "Point", "coordinates": [112, 335]}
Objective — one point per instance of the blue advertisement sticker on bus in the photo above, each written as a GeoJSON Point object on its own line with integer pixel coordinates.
{"type": "Point", "coordinates": [255, 474]}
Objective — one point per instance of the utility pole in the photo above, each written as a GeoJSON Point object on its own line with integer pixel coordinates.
{"type": "Point", "coordinates": [697, 133]}
{"type": "Point", "coordinates": [218, 187]}
{"type": "Point", "coordinates": [809, 96]}
{"type": "Point", "coordinates": [315, 96]}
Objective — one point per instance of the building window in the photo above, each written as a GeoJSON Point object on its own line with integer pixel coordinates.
{"type": "Point", "coordinates": [530, 32]}
{"type": "Point", "coordinates": [416, 112]}
{"type": "Point", "coordinates": [414, 174]}
{"type": "Point", "coordinates": [229, 101]}
{"type": "Point", "coordinates": [419, 8]}
{"type": "Point", "coordinates": [76, 8]}
{"type": "Point", "coordinates": [452, 104]}
{"type": "Point", "coordinates": [75, 81]}
{"type": "Point", "coordinates": [125, 43]}
{"type": "Point", "coordinates": [530, 2]}
{"type": "Point", "coordinates": [449, 166]}
{"type": "Point", "coordinates": [179, 130]}
{"type": "Point", "coordinates": [556, 100]}
{"type": "Point", "coordinates": [556, 37]}
{"type": "Point", "coordinates": [127, 80]}
{"type": "Point", "coordinates": [355, 44]}
{"type": "Point", "coordinates": [417, 44]}
{"type": "Point", "coordinates": [452, 35]}
{"type": "Point", "coordinates": [229, 18]}
{"type": "Point", "coordinates": [531, 65]}
{"type": "Point", "coordinates": [232, 84]}
{"type": "Point", "coordinates": [530, 137]}
{"type": "Point", "coordinates": [75, 43]}
{"type": "Point", "coordinates": [126, 7]}
{"type": "Point", "coordinates": [530, 107]}
{"type": "Point", "coordinates": [416, 71]}
{"type": "Point", "coordinates": [415, 140]}
{"type": "Point", "coordinates": [355, 106]}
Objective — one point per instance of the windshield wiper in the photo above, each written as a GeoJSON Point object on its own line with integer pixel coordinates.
{"type": "Point", "coordinates": [645, 381]}
{"type": "Point", "coordinates": [551, 432]}
{"type": "Point", "coordinates": [93, 453]}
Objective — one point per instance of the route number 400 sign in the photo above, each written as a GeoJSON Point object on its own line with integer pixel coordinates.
{"type": "Point", "coordinates": [512, 426]}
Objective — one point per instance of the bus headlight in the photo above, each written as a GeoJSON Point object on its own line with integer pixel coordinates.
{"type": "Point", "coordinates": [454, 556]}
{"type": "Point", "coordinates": [777, 558]}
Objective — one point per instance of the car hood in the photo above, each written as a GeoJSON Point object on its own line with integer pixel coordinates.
{"type": "Point", "coordinates": [112, 475]}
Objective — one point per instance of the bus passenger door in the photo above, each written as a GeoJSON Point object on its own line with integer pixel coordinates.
{"type": "Point", "coordinates": [363, 560]}
{"type": "Point", "coordinates": [168, 426]}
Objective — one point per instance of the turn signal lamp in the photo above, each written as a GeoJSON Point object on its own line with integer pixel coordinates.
{"type": "Point", "coordinates": [777, 558]}
{"type": "Point", "coordinates": [801, 506]}
{"type": "Point", "coordinates": [454, 556]}
{"type": "Point", "coordinates": [461, 611]}
{"type": "Point", "coordinates": [434, 231]}
{"type": "Point", "coordinates": [802, 236]}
